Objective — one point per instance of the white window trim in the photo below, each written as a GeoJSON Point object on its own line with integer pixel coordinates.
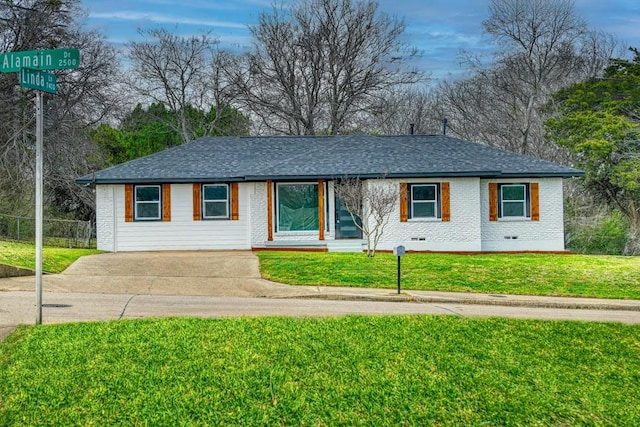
{"type": "Point", "coordinates": [524, 217]}
{"type": "Point", "coordinates": [136, 202]}
{"type": "Point", "coordinates": [277, 209]}
{"type": "Point", "coordinates": [435, 201]}
{"type": "Point", "coordinates": [203, 202]}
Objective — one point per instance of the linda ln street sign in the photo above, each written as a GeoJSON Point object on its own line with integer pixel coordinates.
{"type": "Point", "coordinates": [53, 59]}
{"type": "Point", "coordinates": [39, 80]}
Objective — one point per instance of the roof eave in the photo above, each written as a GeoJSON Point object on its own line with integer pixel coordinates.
{"type": "Point", "coordinates": [88, 180]}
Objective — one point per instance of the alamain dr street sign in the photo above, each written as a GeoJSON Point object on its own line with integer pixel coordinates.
{"type": "Point", "coordinates": [40, 80]}
{"type": "Point", "coordinates": [53, 59]}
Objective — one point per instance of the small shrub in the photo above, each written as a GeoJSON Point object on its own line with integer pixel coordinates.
{"type": "Point", "coordinates": [608, 234]}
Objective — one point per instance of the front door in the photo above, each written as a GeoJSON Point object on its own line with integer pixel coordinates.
{"type": "Point", "coordinates": [345, 227]}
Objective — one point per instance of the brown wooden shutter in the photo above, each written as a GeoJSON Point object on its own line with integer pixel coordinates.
{"type": "Point", "coordinates": [128, 203]}
{"type": "Point", "coordinates": [269, 210]}
{"type": "Point", "coordinates": [166, 202]}
{"type": "Point", "coordinates": [493, 201]}
{"type": "Point", "coordinates": [535, 201]}
{"type": "Point", "coordinates": [197, 202]}
{"type": "Point", "coordinates": [445, 200]}
{"type": "Point", "coordinates": [321, 209]}
{"type": "Point", "coordinates": [404, 202]}
{"type": "Point", "coordinates": [235, 214]}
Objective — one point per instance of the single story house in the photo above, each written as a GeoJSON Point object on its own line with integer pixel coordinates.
{"type": "Point", "coordinates": [274, 192]}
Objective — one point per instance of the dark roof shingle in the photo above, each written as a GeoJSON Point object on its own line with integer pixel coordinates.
{"type": "Point", "coordinates": [309, 157]}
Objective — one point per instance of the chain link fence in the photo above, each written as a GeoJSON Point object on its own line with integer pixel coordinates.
{"type": "Point", "coordinates": [56, 232]}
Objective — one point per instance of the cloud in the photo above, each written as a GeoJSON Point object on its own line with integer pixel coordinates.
{"type": "Point", "coordinates": [163, 19]}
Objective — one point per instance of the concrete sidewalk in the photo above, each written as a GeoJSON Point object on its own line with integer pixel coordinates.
{"type": "Point", "coordinates": [19, 308]}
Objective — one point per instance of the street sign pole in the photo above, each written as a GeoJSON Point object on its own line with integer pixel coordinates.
{"type": "Point", "coordinates": [39, 204]}
{"type": "Point", "coordinates": [30, 65]}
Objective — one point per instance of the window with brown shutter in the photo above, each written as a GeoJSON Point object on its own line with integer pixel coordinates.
{"type": "Point", "coordinates": [217, 201]}
{"type": "Point", "coordinates": [147, 202]}
{"type": "Point", "coordinates": [425, 201]}
{"type": "Point", "coordinates": [514, 201]}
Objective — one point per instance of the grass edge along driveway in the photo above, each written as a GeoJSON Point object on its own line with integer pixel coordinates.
{"type": "Point", "coordinates": [54, 259]}
{"type": "Point", "coordinates": [597, 276]}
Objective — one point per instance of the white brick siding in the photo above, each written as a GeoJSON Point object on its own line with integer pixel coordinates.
{"type": "Point", "coordinates": [259, 214]}
{"type": "Point", "coordinates": [462, 233]}
{"type": "Point", "coordinates": [524, 234]}
{"type": "Point", "coordinates": [105, 216]}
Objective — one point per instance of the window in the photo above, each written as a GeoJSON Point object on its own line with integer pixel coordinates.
{"type": "Point", "coordinates": [297, 207]}
{"type": "Point", "coordinates": [514, 201]}
{"type": "Point", "coordinates": [215, 201]}
{"type": "Point", "coordinates": [147, 202]}
{"type": "Point", "coordinates": [424, 201]}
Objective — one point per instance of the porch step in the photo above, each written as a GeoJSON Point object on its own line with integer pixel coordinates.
{"type": "Point", "coordinates": [344, 245]}
{"type": "Point", "coordinates": [296, 243]}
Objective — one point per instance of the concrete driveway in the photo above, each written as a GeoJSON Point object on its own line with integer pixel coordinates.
{"type": "Point", "coordinates": [227, 273]}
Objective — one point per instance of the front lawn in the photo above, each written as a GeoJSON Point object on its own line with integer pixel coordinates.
{"type": "Point", "coordinates": [54, 260]}
{"type": "Point", "coordinates": [409, 370]}
{"type": "Point", "coordinates": [523, 274]}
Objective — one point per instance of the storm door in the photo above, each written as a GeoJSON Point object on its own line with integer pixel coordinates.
{"type": "Point", "coordinates": [345, 227]}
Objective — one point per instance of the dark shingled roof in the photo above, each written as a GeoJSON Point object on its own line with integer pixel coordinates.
{"type": "Point", "coordinates": [310, 157]}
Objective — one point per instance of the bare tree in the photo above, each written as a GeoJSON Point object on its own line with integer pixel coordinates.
{"type": "Point", "coordinates": [320, 64]}
{"type": "Point", "coordinates": [401, 110]}
{"type": "Point", "coordinates": [543, 46]}
{"type": "Point", "coordinates": [85, 96]}
{"type": "Point", "coordinates": [182, 73]}
{"type": "Point", "coordinates": [370, 204]}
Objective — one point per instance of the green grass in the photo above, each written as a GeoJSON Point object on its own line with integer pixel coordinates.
{"type": "Point", "coordinates": [54, 260]}
{"type": "Point", "coordinates": [382, 371]}
{"type": "Point", "coordinates": [523, 274]}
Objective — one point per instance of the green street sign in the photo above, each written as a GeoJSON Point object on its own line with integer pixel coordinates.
{"type": "Point", "coordinates": [40, 80]}
{"type": "Point", "coordinates": [53, 59]}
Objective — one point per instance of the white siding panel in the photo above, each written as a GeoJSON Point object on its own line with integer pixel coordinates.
{"type": "Point", "coordinates": [182, 232]}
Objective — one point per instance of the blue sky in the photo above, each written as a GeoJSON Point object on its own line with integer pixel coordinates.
{"type": "Point", "coordinates": [440, 29]}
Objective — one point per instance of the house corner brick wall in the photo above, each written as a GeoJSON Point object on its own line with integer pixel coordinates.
{"type": "Point", "coordinates": [547, 234]}
{"type": "Point", "coordinates": [106, 195]}
{"type": "Point", "coordinates": [258, 209]}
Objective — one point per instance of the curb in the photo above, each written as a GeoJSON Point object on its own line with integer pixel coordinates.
{"type": "Point", "coordinates": [565, 304]}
